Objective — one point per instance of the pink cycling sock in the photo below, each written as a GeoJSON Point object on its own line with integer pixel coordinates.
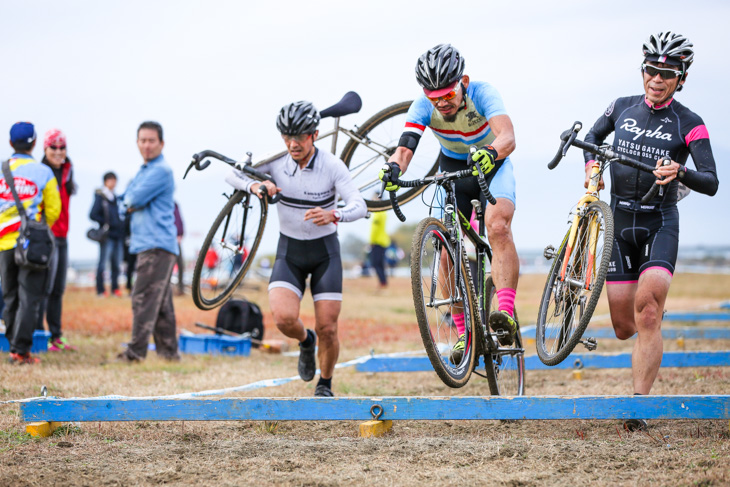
{"type": "Point", "coordinates": [459, 322]}
{"type": "Point", "coordinates": [506, 297]}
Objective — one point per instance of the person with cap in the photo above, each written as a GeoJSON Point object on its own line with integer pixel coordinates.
{"type": "Point", "coordinates": [149, 202]}
{"type": "Point", "coordinates": [105, 211]}
{"type": "Point", "coordinates": [55, 156]}
{"type": "Point", "coordinates": [23, 287]}
{"type": "Point", "coordinates": [310, 182]}
{"type": "Point", "coordinates": [656, 129]}
{"type": "Point", "coordinates": [463, 113]}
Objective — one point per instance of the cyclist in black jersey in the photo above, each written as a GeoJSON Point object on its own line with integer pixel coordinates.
{"type": "Point", "coordinates": [310, 182]}
{"type": "Point", "coordinates": [652, 128]}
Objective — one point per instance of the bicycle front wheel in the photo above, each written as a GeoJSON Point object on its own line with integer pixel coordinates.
{"type": "Point", "coordinates": [574, 285]}
{"type": "Point", "coordinates": [229, 249]}
{"type": "Point", "coordinates": [505, 368]}
{"type": "Point", "coordinates": [380, 135]}
{"type": "Point", "coordinates": [438, 296]}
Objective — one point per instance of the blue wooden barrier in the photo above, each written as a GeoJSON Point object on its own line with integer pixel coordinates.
{"type": "Point", "coordinates": [394, 408]}
{"type": "Point", "coordinates": [577, 360]}
{"type": "Point", "coordinates": [697, 316]}
{"type": "Point", "coordinates": [669, 333]}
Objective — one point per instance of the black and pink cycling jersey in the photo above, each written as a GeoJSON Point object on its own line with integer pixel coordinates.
{"type": "Point", "coordinates": [647, 133]}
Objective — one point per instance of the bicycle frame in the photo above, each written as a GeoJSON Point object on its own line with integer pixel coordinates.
{"type": "Point", "coordinates": [590, 196]}
{"type": "Point", "coordinates": [484, 255]}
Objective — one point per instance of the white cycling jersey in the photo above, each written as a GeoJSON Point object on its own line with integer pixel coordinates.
{"type": "Point", "coordinates": [317, 185]}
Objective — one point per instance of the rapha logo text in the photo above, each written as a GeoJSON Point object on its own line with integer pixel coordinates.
{"type": "Point", "coordinates": [629, 125]}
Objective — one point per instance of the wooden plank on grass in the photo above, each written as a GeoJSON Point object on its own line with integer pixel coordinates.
{"type": "Point", "coordinates": [697, 316]}
{"type": "Point", "coordinates": [669, 333]}
{"type": "Point", "coordinates": [578, 360]}
{"type": "Point", "coordinates": [394, 408]}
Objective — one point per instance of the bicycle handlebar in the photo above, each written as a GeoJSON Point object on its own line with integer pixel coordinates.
{"type": "Point", "coordinates": [607, 152]}
{"type": "Point", "coordinates": [437, 178]}
{"type": "Point", "coordinates": [199, 162]}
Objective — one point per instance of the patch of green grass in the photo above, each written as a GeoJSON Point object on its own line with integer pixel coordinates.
{"type": "Point", "coordinates": [13, 439]}
{"type": "Point", "coordinates": [68, 430]}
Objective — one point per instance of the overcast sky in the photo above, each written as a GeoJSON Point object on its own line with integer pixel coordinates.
{"type": "Point", "coordinates": [216, 73]}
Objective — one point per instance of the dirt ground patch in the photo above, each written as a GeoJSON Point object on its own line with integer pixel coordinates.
{"type": "Point", "coordinates": [520, 453]}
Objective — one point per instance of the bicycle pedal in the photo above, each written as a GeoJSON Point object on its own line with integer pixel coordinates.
{"type": "Point", "coordinates": [549, 252]}
{"type": "Point", "coordinates": [590, 343]}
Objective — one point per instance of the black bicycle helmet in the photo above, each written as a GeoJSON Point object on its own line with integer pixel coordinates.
{"type": "Point", "coordinates": [439, 67]}
{"type": "Point", "coordinates": [298, 118]}
{"type": "Point", "coordinates": [671, 48]}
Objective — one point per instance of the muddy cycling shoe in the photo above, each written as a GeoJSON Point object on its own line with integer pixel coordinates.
{"type": "Point", "coordinates": [457, 353]}
{"type": "Point", "coordinates": [635, 425]}
{"type": "Point", "coordinates": [501, 320]}
{"type": "Point", "coordinates": [323, 391]}
{"type": "Point", "coordinates": [307, 363]}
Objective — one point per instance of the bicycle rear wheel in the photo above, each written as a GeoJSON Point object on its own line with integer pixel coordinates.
{"type": "Point", "coordinates": [229, 249]}
{"type": "Point", "coordinates": [506, 376]}
{"type": "Point", "coordinates": [437, 297]}
{"type": "Point", "coordinates": [381, 134]}
{"type": "Point", "coordinates": [568, 303]}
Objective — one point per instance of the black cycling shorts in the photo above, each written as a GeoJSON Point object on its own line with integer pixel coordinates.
{"type": "Point", "coordinates": [318, 258]}
{"type": "Point", "coordinates": [643, 241]}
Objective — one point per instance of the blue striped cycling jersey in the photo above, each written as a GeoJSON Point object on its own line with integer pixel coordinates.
{"type": "Point", "coordinates": [471, 126]}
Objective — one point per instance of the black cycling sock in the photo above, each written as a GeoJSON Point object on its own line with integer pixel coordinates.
{"type": "Point", "coordinates": [325, 382]}
{"type": "Point", "coordinates": [309, 341]}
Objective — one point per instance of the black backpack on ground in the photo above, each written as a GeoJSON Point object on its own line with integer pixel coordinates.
{"type": "Point", "coordinates": [240, 316]}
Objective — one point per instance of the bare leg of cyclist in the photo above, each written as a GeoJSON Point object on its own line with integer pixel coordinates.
{"type": "Point", "coordinates": [326, 313]}
{"type": "Point", "coordinates": [648, 308]}
{"type": "Point", "coordinates": [284, 305]}
{"type": "Point", "coordinates": [638, 307]}
{"type": "Point", "coordinates": [505, 265]}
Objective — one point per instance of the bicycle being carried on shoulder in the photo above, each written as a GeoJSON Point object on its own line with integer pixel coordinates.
{"type": "Point", "coordinates": [442, 286]}
{"type": "Point", "coordinates": [230, 246]}
{"type": "Point", "coordinates": [580, 265]}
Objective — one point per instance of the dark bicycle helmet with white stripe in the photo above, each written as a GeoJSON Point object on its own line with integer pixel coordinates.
{"type": "Point", "coordinates": [439, 67]}
{"type": "Point", "coordinates": [671, 48]}
{"type": "Point", "coordinates": [298, 118]}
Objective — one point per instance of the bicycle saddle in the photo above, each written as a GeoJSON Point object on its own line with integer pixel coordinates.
{"type": "Point", "coordinates": [350, 103]}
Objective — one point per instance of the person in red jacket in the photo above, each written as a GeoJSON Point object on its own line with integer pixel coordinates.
{"type": "Point", "coordinates": [55, 157]}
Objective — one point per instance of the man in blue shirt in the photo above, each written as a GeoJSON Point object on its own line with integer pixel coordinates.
{"type": "Point", "coordinates": [149, 202]}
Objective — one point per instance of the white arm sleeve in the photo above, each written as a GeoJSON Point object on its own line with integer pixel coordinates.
{"type": "Point", "coordinates": [355, 207]}
{"type": "Point", "coordinates": [239, 180]}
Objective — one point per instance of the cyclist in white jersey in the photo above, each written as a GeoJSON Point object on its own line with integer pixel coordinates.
{"type": "Point", "coordinates": [310, 182]}
{"type": "Point", "coordinates": [460, 114]}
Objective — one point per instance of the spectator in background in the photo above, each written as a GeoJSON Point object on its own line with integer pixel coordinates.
{"type": "Point", "coordinates": [154, 239]}
{"type": "Point", "coordinates": [105, 211]}
{"type": "Point", "coordinates": [379, 241]}
{"type": "Point", "coordinates": [23, 287]}
{"type": "Point", "coordinates": [180, 263]}
{"type": "Point", "coordinates": [55, 156]}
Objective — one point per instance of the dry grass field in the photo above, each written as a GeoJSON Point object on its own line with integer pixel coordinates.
{"type": "Point", "coordinates": [330, 453]}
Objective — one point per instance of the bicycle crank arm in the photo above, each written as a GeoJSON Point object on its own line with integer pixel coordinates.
{"type": "Point", "coordinates": [443, 302]}
{"type": "Point", "coordinates": [590, 343]}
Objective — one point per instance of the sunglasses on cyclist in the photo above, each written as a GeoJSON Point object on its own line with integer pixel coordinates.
{"type": "Point", "coordinates": [448, 96]}
{"type": "Point", "coordinates": [299, 138]}
{"type": "Point", "coordinates": [57, 147]}
{"type": "Point", "coordinates": [665, 73]}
